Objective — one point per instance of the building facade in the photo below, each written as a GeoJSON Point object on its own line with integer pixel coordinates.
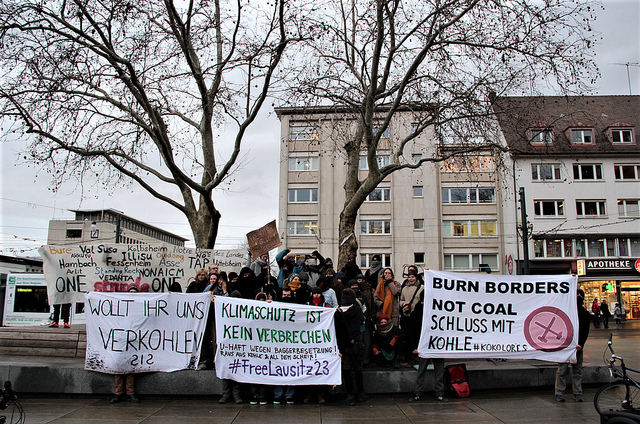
{"type": "Point", "coordinates": [444, 215]}
{"type": "Point", "coordinates": [107, 226]}
{"type": "Point", "coordinates": [578, 160]}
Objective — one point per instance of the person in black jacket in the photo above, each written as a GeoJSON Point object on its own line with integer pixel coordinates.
{"type": "Point", "coordinates": [584, 322]}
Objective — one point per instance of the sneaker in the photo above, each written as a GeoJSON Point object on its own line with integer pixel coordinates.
{"type": "Point", "coordinates": [578, 398]}
{"type": "Point", "coordinates": [290, 401]}
{"type": "Point", "coordinates": [350, 400]}
{"type": "Point", "coordinates": [321, 399]}
{"type": "Point", "coordinates": [53, 325]}
{"type": "Point", "coordinates": [253, 401]}
{"type": "Point", "coordinates": [559, 398]}
{"type": "Point", "coordinates": [66, 325]}
{"type": "Point", "coordinates": [263, 401]}
{"type": "Point", "coordinates": [441, 398]}
{"type": "Point", "coordinates": [277, 400]}
{"type": "Point", "coordinates": [307, 399]}
{"type": "Point", "coordinates": [238, 399]}
{"type": "Point", "coordinates": [225, 399]}
{"type": "Point", "coordinates": [415, 398]}
{"type": "Point", "coordinates": [133, 398]}
{"type": "Point", "coordinates": [362, 397]}
{"type": "Point", "coordinates": [116, 399]}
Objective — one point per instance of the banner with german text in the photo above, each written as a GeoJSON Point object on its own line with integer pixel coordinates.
{"type": "Point", "coordinates": [275, 343]}
{"type": "Point", "coordinates": [499, 316]}
{"type": "Point", "coordinates": [143, 332]}
{"type": "Point", "coordinates": [71, 271]}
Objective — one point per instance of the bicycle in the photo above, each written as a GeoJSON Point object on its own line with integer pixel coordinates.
{"type": "Point", "coordinates": [622, 395]}
{"type": "Point", "coordinates": [9, 400]}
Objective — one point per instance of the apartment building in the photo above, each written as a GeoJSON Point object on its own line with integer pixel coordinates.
{"type": "Point", "coordinates": [440, 216]}
{"type": "Point", "coordinates": [578, 160]}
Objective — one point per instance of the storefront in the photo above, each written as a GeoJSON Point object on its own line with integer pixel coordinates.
{"type": "Point", "coordinates": [616, 281]}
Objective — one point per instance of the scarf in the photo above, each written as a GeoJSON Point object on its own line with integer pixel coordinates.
{"type": "Point", "coordinates": [386, 296]}
{"type": "Point", "coordinates": [384, 329]}
{"type": "Point", "coordinates": [294, 285]}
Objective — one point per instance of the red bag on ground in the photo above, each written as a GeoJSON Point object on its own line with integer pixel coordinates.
{"type": "Point", "coordinates": [456, 378]}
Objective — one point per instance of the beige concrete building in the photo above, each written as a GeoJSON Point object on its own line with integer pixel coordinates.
{"type": "Point", "coordinates": [441, 216]}
{"type": "Point", "coordinates": [101, 226]}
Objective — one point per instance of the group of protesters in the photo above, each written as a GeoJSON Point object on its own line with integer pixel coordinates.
{"type": "Point", "coordinates": [378, 321]}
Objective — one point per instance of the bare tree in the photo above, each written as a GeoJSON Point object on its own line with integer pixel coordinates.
{"type": "Point", "coordinates": [440, 60]}
{"type": "Point", "coordinates": [139, 90]}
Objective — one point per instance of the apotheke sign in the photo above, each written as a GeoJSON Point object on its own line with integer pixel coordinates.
{"type": "Point", "coordinates": [621, 264]}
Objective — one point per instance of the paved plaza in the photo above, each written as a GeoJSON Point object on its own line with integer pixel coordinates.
{"type": "Point", "coordinates": [484, 407]}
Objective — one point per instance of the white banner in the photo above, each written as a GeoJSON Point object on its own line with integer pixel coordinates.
{"type": "Point", "coordinates": [142, 332]}
{"type": "Point", "coordinates": [499, 316]}
{"type": "Point", "coordinates": [276, 343]}
{"type": "Point", "coordinates": [71, 271]}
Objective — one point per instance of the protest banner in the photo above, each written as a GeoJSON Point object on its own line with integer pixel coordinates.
{"type": "Point", "coordinates": [275, 343]}
{"type": "Point", "coordinates": [71, 271]}
{"type": "Point", "coordinates": [499, 316]}
{"type": "Point", "coordinates": [263, 239]}
{"type": "Point", "coordinates": [142, 332]}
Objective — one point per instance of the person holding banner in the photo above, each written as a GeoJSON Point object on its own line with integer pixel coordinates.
{"type": "Point", "coordinates": [584, 323]}
{"type": "Point", "coordinates": [127, 379]}
{"type": "Point", "coordinates": [57, 308]}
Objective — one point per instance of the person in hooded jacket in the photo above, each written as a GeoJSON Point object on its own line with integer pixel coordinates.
{"type": "Point", "coordinates": [351, 346]}
{"type": "Point", "coordinates": [246, 284]}
{"type": "Point", "coordinates": [350, 268]}
{"type": "Point", "coordinates": [374, 273]}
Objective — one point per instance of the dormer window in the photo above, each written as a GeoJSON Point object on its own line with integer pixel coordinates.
{"type": "Point", "coordinates": [622, 135]}
{"type": "Point", "coordinates": [582, 136]}
{"type": "Point", "coordinates": [541, 136]}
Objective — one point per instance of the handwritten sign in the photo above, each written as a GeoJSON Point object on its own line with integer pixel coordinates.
{"type": "Point", "coordinates": [71, 271]}
{"type": "Point", "coordinates": [275, 343]}
{"type": "Point", "coordinates": [499, 316]}
{"type": "Point", "coordinates": [136, 332]}
{"type": "Point", "coordinates": [263, 239]}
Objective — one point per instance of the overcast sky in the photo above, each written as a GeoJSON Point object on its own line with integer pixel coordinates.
{"type": "Point", "coordinates": [252, 200]}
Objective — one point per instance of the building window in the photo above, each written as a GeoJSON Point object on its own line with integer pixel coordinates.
{"type": "Point", "coordinates": [469, 229]}
{"type": "Point", "coordinates": [303, 195]}
{"type": "Point", "coordinates": [306, 163]}
{"type": "Point", "coordinates": [74, 233]}
{"type": "Point", "coordinates": [379, 195]}
{"type": "Point", "coordinates": [376, 130]}
{"type": "Point", "coordinates": [548, 208]}
{"type": "Point", "coordinates": [468, 195]}
{"type": "Point", "coordinates": [587, 172]}
{"type": "Point", "coordinates": [365, 259]}
{"type": "Point", "coordinates": [300, 228]}
{"type": "Point", "coordinates": [590, 208]}
{"type": "Point", "coordinates": [470, 262]}
{"type": "Point", "coordinates": [417, 191]}
{"type": "Point", "coordinates": [585, 248]}
{"type": "Point", "coordinates": [464, 163]}
{"type": "Point", "coordinates": [375, 227]}
{"type": "Point", "coordinates": [418, 258]}
{"type": "Point", "coordinates": [628, 208]}
{"type": "Point", "coordinates": [303, 132]}
{"type": "Point", "coordinates": [416, 157]}
{"type": "Point", "coordinates": [582, 136]}
{"type": "Point", "coordinates": [382, 161]}
{"type": "Point", "coordinates": [540, 172]}
{"type": "Point", "coordinates": [541, 136]}
{"type": "Point", "coordinates": [627, 172]}
{"type": "Point", "coordinates": [622, 135]}
{"type": "Point", "coordinates": [418, 224]}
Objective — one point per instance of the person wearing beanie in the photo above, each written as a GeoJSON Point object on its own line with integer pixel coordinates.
{"type": "Point", "coordinates": [286, 261]}
{"type": "Point", "coordinates": [388, 343]}
{"type": "Point", "coordinates": [584, 323]}
{"type": "Point", "coordinates": [350, 269]}
{"type": "Point", "coordinates": [324, 284]}
{"type": "Point", "coordinates": [351, 347]}
{"type": "Point", "coordinates": [300, 291]}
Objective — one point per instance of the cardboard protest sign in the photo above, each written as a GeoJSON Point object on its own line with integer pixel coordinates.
{"type": "Point", "coordinates": [72, 270]}
{"type": "Point", "coordinates": [263, 239]}
{"type": "Point", "coordinates": [137, 332]}
{"type": "Point", "coordinates": [275, 343]}
{"type": "Point", "coordinates": [499, 316]}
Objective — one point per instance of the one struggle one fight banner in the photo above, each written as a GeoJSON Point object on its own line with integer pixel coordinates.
{"type": "Point", "coordinates": [276, 343]}
{"type": "Point", "coordinates": [142, 332]}
{"type": "Point", "coordinates": [499, 316]}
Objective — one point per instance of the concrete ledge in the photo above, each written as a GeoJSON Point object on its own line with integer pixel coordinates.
{"type": "Point", "coordinates": [55, 378]}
